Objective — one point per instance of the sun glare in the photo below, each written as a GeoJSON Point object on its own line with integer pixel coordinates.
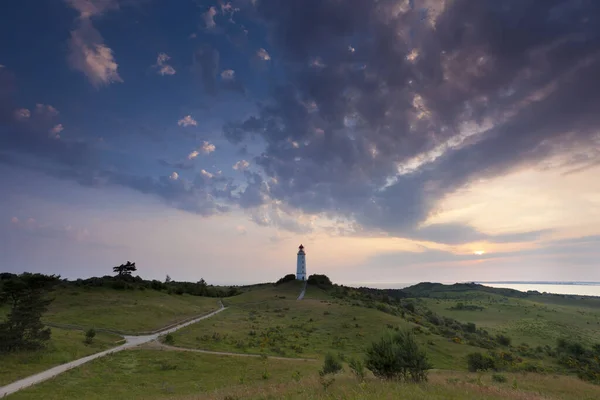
{"type": "Point", "coordinates": [479, 252]}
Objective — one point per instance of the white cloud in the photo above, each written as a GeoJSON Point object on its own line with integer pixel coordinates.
{"type": "Point", "coordinates": [46, 110]}
{"type": "Point", "coordinates": [351, 49]}
{"type": "Point", "coordinates": [241, 165]}
{"type": "Point", "coordinates": [14, 220]}
{"type": "Point", "coordinates": [206, 174]}
{"type": "Point", "coordinates": [193, 155]}
{"type": "Point", "coordinates": [193, 36]}
{"type": "Point", "coordinates": [208, 148]}
{"type": "Point", "coordinates": [187, 121]}
{"type": "Point", "coordinates": [22, 114]}
{"type": "Point", "coordinates": [209, 18]}
{"type": "Point", "coordinates": [54, 132]}
{"type": "Point", "coordinates": [228, 75]}
{"type": "Point", "coordinates": [89, 54]}
{"type": "Point", "coordinates": [263, 55]}
{"type": "Point", "coordinates": [162, 66]}
{"type": "Point", "coordinates": [90, 8]}
{"type": "Point", "coordinates": [174, 176]}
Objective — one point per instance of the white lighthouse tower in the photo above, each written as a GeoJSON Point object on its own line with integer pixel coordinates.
{"type": "Point", "coordinates": [301, 265]}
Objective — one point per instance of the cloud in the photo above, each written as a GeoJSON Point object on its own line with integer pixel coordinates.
{"type": "Point", "coordinates": [207, 147]}
{"type": "Point", "coordinates": [241, 230]}
{"type": "Point", "coordinates": [161, 66]}
{"type": "Point", "coordinates": [241, 165]}
{"type": "Point", "coordinates": [91, 8]}
{"type": "Point", "coordinates": [89, 55]}
{"type": "Point", "coordinates": [228, 75]}
{"type": "Point", "coordinates": [22, 114]}
{"type": "Point", "coordinates": [193, 155]}
{"type": "Point", "coordinates": [187, 121]}
{"type": "Point", "coordinates": [54, 132]}
{"type": "Point", "coordinates": [262, 54]}
{"type": "Point", "coordinates": [174, 176]}
{"type": "Point", "coordinates": [430, 101]}
{"type": "Point", "coordinates": [46, 110]}
{"type": "Point", "coordinates": [209, 18]}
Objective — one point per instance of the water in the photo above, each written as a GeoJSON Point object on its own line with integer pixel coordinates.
{"type": "Point", "coordinates": [574, 288]}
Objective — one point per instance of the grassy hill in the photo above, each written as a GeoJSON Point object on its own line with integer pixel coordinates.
{"type": "Point", "coordinates": [130, 311]}
{"type": "Point", "coordinates": [448, 321]}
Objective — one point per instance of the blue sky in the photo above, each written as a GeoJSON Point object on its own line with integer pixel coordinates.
{"type": "Point", "coordinates": [398, 140]}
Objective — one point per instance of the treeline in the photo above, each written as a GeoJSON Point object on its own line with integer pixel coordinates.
{"type": "Point", "coordinates": [127, 282]}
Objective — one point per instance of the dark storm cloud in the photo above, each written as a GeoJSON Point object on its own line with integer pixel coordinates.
{"type": "Point", "coordinates": [392, 83]}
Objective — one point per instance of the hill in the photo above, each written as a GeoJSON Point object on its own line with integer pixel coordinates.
{"type": "Point", "coordinates": [277, 344]}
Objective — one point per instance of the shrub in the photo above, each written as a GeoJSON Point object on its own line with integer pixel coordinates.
{"type": "Point", "coordinates": [169, 339]}
{"type": "Point", "coordinates": [499, 378]}
{"type": "Point", "coordinates": [90, 334]}
{"type": "Point", "coordinates": [398, 356]}
{"type": "Point", "coordinates": [480, 362]}
{"type": "Point", "coordinates": [503, 340]}
{"type": "Point", "coordinates": [287, 278]}
{"type": "Point", "coordinates": [331, 365]}
{"type": "Point", "coordinates": [357, 367]}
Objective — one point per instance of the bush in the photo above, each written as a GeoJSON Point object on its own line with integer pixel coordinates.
{"type": "Point", "coordinates": [90, 334]}
{"type": "Point", "coordinates": [357, 367]}
{"type": "Point", "coordinates": [499, 378]}
{"type": "Point", "coordinates": [503, 340]}
{"type": "Point", "coordinates": [398, 356]}
{"type": "Point", "coordinates": [321, 281]}
{"type": "Point", "coordinates": [331, 365]}
{"type": "Point", "coordinates": [287, 278]}
{"type": "Point", "coordinates": [480, 362]}
{"type": "Point", "coordinates": [169, 339]}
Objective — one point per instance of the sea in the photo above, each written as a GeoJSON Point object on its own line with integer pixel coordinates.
{"type": "Point", "coordinates": [574, 288]}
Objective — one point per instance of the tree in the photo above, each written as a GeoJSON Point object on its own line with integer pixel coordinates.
{"type": "Point", "coordinates": [398, 356]}
{"type": "Point", "coordinates": [168, 279]}
{"type": "Point", "coordinates": [26, 296]}
{"type": "Point", "coordinates": [90, 334]}
{"type": "Point", "coordinates": [125, 269]}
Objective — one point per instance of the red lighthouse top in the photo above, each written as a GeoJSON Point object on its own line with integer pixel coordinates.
{"type": "Point", "coordinates": [301, 247]}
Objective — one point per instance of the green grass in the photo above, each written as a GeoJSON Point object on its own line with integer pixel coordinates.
{"type": "Point", "coordinates": [442, 385]}
{"type": "Point", "coordinates": [64, 346]}
{"type": "Point", "coordinates": [270, 324]}
{"type": "Point", "coordinates": [539, 320]}
{"type": "Point", "coordinates": [124, 310]}
{"type": "Point", "coordinates": [156, 374]}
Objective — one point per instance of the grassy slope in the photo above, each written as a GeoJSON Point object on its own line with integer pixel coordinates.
{"type": "Point", "coordinates": [124, 310]}
{"type": "Point", "coordinates": [442, 385]}
{"type": "Point", "coordinates": [537, 320]}
{"type": "Point", "coordinates": [64, 346]}
{"type": "Point", "coordinates": [308, 328]}
{"type": "Point", "coordinates": [155, 374]}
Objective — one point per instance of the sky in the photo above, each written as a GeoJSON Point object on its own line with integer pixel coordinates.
{"type": "Point", "coordinates": [397, 140]}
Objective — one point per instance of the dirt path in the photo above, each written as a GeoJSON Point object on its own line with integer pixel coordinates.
{"type": "Point", "coordinates": [303, 291]}
{"type": "Point", "coordinates": [158, 346]}
{"type": "Point", "coordinates": [130, 342]}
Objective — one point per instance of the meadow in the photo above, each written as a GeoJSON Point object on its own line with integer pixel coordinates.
{"type": "Point", "coordinates": [156, 374]}
{"type": "Point", "coordinates": [266, 320]}
{"type": "Point", "coordinates": [65, 345]}
{"type": "Point", "coordinates": [126, 311]}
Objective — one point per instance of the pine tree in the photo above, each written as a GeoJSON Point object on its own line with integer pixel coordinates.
{"type": "Point", "coordinates": [26, 295]}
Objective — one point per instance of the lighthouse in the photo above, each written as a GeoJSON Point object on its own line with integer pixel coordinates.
{"type": "Point", "coordinates": [301, 264]}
